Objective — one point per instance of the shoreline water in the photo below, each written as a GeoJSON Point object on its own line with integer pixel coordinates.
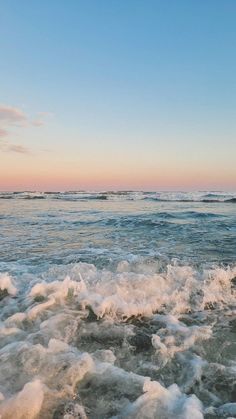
{"type": "Point", "coordinates": [117, 309]}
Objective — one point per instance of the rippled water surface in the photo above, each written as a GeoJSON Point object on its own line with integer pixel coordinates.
{"type": "Point", "coordinates": [117, 305]}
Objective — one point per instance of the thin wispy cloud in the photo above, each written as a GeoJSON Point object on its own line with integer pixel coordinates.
{"type": "Point", "coordinates": [18, 149]}
{"type": "Point", "coordinates": [40, 120]}
{"type": "Point", "coordinates": [37, 123]}
{"type": "Point", "coordinates": [3, 132]}
{"type": "Point", "coordinates": [12, 117]}
{"type": "Point", "coordinates": [7, 147]}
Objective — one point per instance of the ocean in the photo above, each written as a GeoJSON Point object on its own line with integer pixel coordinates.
{"type": "Point", "coordinates": [117, 305]}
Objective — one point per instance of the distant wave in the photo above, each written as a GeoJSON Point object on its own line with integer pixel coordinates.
{"type": "Point", "coordinates": [34, 197]}
{"type": "Point", "coordinates": [186, 197]}
{"type": "Point", "coordinates": [232, 200]}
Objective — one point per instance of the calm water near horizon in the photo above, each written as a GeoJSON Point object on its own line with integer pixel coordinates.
{"type": "Point", "coordinates": [109, 299]}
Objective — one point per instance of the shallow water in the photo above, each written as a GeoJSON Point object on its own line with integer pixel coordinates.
{"type": "Point", "coordinates": [117, 305]}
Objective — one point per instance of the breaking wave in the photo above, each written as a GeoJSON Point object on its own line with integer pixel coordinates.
{"type": "Point", "coordinates": [125, 196]}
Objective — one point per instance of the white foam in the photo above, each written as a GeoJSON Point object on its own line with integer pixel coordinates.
{"type": "Point", "coordinates": [54, 319]}
{"type": "Point", "coordinates": [56, 291]}
{"type": "Point", "coordinates": [59, 290]}
{"type": "Point", "coordinates": [5, 331]}
{"type": "Point", "coordinates": [7, 283]}
{"type": "Point", "coordinates": [16, 318]}
{"type": "Point", "coordinates": [25, 404]}
{"type": "Point", "coordinates": [159, 402]}
{"type": "Point", "coordinates": [56, 345]}
{"type": "Point", "coordinates": [78, 412]}
{"type": "Point", "coordinates": [179, 290]}
{"type": "Point", "coordinates": [176, 336]}
{"type": "Point", "coordinates": [40, 308]}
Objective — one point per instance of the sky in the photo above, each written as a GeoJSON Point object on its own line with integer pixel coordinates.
{"type": "Point", "coordinates": [118, 94]}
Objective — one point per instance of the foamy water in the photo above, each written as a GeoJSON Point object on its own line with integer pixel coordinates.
{"type": "Point", "coordinates": [117, 305]}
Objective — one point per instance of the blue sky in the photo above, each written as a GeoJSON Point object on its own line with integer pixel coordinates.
{"type": "Point", "coordinates": [135, 94]}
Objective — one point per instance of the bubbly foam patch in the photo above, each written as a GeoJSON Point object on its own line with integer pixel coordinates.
{"type": "Point", "coordinates": [129, 343]}
{"type": "Point", "coordinates": [7, 284]}
{"type": "Point", "coordinates": [25, 404]}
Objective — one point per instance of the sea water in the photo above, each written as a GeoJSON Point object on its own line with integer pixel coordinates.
{"type": "Point", "coordinates": [117, 305]}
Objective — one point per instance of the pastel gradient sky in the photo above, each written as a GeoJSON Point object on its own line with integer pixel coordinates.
{"type": "Point", "coordinates": [117, 94]}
